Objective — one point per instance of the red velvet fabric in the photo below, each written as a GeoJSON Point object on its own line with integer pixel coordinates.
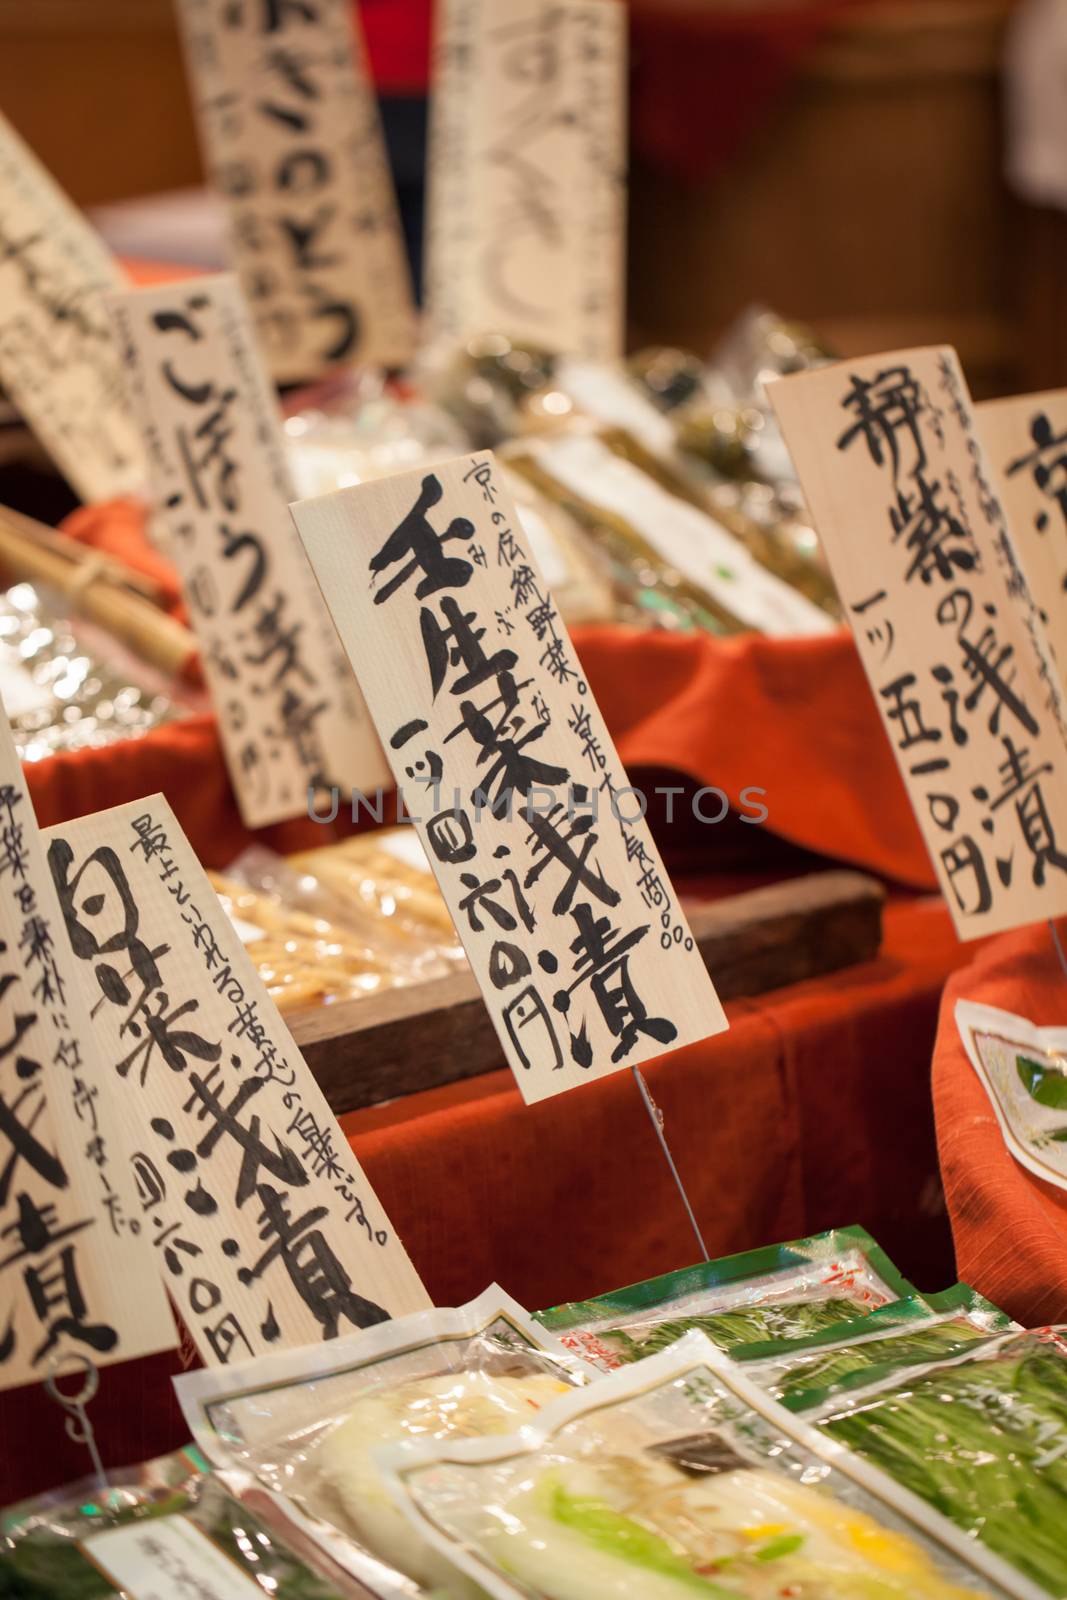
{"type": "Point", "coordinates": [813, 1110]}
{"type": "Point", "coordinates": [1009, 1226]}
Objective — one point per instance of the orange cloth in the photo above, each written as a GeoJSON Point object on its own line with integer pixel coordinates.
{"type": "Point", "coordinates": [813, 1110]}
{"type": "Point", "coordinates": [795, 719]}
{"type": "Point", "coordinates": [1010, 1227]}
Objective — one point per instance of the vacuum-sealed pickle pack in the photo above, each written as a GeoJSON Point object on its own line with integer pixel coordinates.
{"type": "Point", "coordinates": [782, 1291]}
{"type": "Point", "coordinates": [675, 1479]}
{"type": "Point", "coordinates": [169, 1527]}
{"type": "Point", "coordinates": [902, 1337]}
{"type": "Point", "coordinates": [983, 1438]}
{"type": "Point", "coordinates": [306, 1424]}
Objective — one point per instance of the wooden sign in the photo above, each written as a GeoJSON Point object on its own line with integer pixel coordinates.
{"type": "Point", "coordinates": [902, 497]}
{"type": "Point", "coordinates": [58, 362]}
{"type": "Point", "coordinates": [265, 1228]}
{"type": "Point", "coordinates": [526, 186]}
{"type": "Point", "coordinates": [291, 718]}
{"type": "Point", "coordinates": [71, 1235]}
{"type": "Point", "coordinates": [573, 930]}
{"type": "Point", "coordinates": [291, 136]}
{"type": "Point", "coordinates": [1025, 439]}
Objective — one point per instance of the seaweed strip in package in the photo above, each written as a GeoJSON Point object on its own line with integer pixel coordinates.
{"type": "Point", "coordinates": [168, 1528]}
{"type": "Point", "coordinates": [983, 1438]}
{"type": "Point", "coordinates": [781, 1291]}
{"type": "Point", "coordinates": [305, 1423]}
{"type": "Point", "coordinates": [675, 1479]}
{"type": "Point", "coordinates": [899, 1338]}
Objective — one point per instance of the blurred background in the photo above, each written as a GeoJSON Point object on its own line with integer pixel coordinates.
{"type": "Point", "coordinates": [889, 171]}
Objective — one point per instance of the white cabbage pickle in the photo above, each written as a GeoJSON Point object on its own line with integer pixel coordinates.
{"type": "Point", "coordinates": [453, 1405]}
{"type": "Point", "coordinates": [640, 1528]}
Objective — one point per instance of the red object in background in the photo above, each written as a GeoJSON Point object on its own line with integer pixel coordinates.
{"type": "Point", "coordinates": [703, 79]}
{"type": "Point", "coordinates": [1009, 1226]}
{"type": "Point", "coordinates": [398, 43]}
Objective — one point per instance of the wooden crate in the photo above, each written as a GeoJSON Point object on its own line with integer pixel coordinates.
{"type": "Point", "coordinates": [381, 1047]}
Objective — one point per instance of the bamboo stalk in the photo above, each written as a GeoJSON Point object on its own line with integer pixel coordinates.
{"type": "Point", "coordinates": [154, 636]}
{"type": "Point", "coordinates": [70, 549]}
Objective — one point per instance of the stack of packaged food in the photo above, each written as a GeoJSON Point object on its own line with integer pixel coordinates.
{"type": "Point", "coordinates": [797, 1421]}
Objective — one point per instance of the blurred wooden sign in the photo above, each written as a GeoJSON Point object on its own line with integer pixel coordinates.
{"type": "Point", "coordinates": [526, 183]}
{"type": "Point", "coordinates": [1026, 440]}
{"type": "Point", "coordinates": [264, 1226]}
{"type": "Point", "coordinates": [291, 135]}
{"type": "Point", "coordinates": [902, 496]}
{"type": "Point", "coordinates": [573, 929]}
{"type": "Point", "coordinates": [290, 714]}
{"type": "Point", "coordinates": [71, 1234]}
{"type": "Point", "coordinates": [58, 361]}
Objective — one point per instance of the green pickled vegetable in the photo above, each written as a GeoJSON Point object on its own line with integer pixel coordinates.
{"type": "Point", "coordinates": [790, 1319]}
{"type": "Point", "coordinates": [618, 1535]}
{"type": "Point", "coordinates": [985, 1442]}
{"type": "Point", "coordinates": [810, 1377]}
{"type": "Point", "coordinates": [1044, 1083]}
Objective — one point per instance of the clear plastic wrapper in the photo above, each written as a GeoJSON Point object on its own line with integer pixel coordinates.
{"type": "Point", "coordinates": [899, 1338]}
{"type": "Point", "coordinates": [782, 1291]}
{"type": "Point", "coordinates": [70, 686]}
{"type": "Point", "coordinates": [384, 876]}
{"type": "Point", "coordinates": [659, 413]}
{"type": "Point", "coordinates": [357, 428]}
{"type": "Point", "coordinates": [983, 1438]}
{"type": "Point", "coordinates": [577, 572]}
{"type": "Point", "coordinates": [761, 345]}
{"type": "Point", "coordinates": [309, 946]}
{"type": "Point", "coordinates": [676, 1479]}
{"type": "Point", "coordinates": [169, 1527]}
{"type": "Point", "coordinates": [306, 1424]}
{"type": "Point", "coordinates": [668, 552]}
{"type": "Point", "coordinates": [487, 385]}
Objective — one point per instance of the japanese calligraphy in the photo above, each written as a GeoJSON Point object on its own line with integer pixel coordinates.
{"type": "Point", "coordinates": [1026, 441]}
{"type": "Point", "coordinates": [289, 124]}
{"type": "Point", "coordinates": [58, 360]}
{"type": "Point", "coordinates": [291, 718]}
{"type": "Point", "coordinates": [565, 910]}
{"type": "Point", "coordinates": [70, 1233]}
{"type": "Point", "coordinates": [263, 1226]}
{"type": "Point", "coordinates": [527, 173]}
{"type": "Point", "coordinates": [947, 625]}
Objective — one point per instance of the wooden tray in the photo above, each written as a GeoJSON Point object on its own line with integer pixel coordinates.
{"type": "Point", "coordinates": [379, 1048]}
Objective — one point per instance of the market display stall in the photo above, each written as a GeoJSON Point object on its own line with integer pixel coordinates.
{"type": "Point", "coordinates": [486, 803]}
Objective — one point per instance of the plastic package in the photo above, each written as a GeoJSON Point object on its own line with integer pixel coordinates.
{"type": "Point", "coordinates": [70, 686]}
{"type": "Point", "coordinates": [306, 1423]}
{"type": "Point", "coordinates": [675, 1479]}
{"type": "Point", "coordinates": [357, 428]}
{"type": "Point", "coordinates": [903, 1336]}
{"type": "Point", "coordinates": [984, 1439]}
{"type": "Point", "coordinates": [384, 876]}
{"type": "Point", "coordinates": [666, 549]}
{"type": "Point", "coordinates": [169, 1527]}
{"type": "Point", "coordinates": [782, 1291]}
{"type": "Point", "coordinates": [310, 946]}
